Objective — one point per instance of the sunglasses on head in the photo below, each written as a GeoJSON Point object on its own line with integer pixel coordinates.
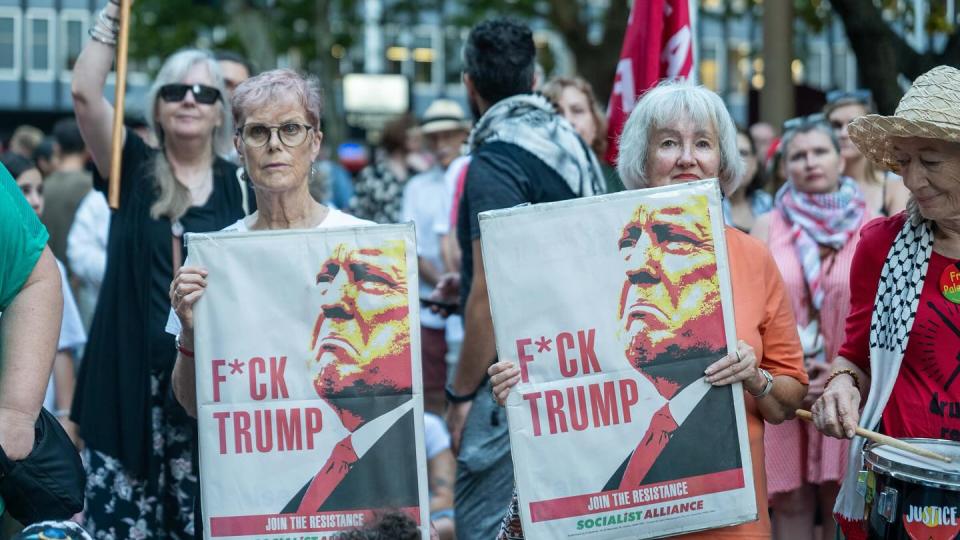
{"type": "Point", "coordinates": [173, 93]}
{"type": "Point", "coordinates": [861, 95]}
{"type": "Point", "coordinates": [794, 123]}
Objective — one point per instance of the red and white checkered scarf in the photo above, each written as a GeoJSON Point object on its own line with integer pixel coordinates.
{"type": "Point", "coordinates": [820, 219]}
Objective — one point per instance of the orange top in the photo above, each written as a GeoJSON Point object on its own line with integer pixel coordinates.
{"type": "Point", "coordinates": [764, 319]}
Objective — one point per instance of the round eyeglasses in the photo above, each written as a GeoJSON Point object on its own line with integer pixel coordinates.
{"type": "Point", "coordinates": [290, 134]}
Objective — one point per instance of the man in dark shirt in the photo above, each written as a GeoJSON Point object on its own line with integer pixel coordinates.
{"type": "Point", "coordinates": [522, 153]}
{"type": "Point", "coordinates": [66, 187]}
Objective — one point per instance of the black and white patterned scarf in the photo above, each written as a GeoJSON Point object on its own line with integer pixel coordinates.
{"type": "Point", "coordinates": [531, 122]}
{"type": "Point", "coordinates": [898, 295]}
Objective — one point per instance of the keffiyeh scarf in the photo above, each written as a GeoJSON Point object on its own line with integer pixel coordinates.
{"type": "Point", "coordinates": [531, 122]}
{"type": "Point", "coordinates": [820, 219]}
{"type": "Point", "coordinates": [898, 295]}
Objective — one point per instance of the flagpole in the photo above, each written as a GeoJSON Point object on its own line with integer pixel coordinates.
{"type": "Point", "coordinates": [693, 6]}
{"type": "Point", "coordinates": [120, 87]}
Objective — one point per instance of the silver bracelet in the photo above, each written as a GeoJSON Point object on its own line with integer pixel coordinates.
{"type": "Point", "coordinates": [110, 41]}
{"type": "Point", "coordinates": [111, 24]}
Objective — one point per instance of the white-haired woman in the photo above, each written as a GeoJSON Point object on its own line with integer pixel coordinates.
{"type": "Point", "coordinates": [903, 330]}
{"type": "Point", "coordinates": [138, 442]}
{"type": "Point", "coordinates": [681, 133]}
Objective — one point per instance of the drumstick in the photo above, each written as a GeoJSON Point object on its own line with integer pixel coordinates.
{"type": "Point", "coordinates": [886, 439]}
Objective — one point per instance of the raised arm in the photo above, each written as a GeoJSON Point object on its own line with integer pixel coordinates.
{"type": "Point", "coordinates": [94, 112]}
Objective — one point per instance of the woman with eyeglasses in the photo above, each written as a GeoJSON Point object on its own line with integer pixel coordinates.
{"type": "Point", "coordinates": [139, 442]}
{"type": "Point", "coordinates": [277, 139]}
{"type": "Point", "coordinates": [885, 193]}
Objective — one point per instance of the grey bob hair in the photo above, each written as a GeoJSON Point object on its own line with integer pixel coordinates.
{"type": "Point", "coordinates": [660, 107]}
{"type": "Point", "coordinates": [173, 199]}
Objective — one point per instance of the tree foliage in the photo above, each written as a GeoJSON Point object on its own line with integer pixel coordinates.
{"type": "Point", "coordinates": [876, 30]}
{"type": "Point", "coordinates": [305, 32]}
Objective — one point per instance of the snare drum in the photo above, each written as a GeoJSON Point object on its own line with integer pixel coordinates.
{"type": "Point", "coordinates": [909, 496]}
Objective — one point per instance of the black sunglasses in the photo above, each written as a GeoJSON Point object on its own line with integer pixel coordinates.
{"type": "Point", "coordinates": [172, 93]}
{"type": "Point", "coordinates": [861, 95]}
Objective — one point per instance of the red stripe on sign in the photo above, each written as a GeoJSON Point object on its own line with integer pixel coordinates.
{"type": "Point", "coordinates": [645, 495]}
{"type": "Point", "coordinates": [298, 523]}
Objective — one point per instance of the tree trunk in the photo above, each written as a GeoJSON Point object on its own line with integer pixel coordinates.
{"type": "Point", "coordinates": [597, 63]}
{"type": "Point", "coordinates": [252, 26]}
{"type": "Point", "coordinates": [334, 129]}
{"type": "Point", "coordinates": [875, 45]}
{"type": "Point", "coordinates": [777, 96]}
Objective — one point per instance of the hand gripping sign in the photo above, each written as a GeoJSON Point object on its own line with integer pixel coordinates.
{"type": "Point", "coordinates": [309, 393]}
{"type": "Point", "coordinates": [612, 307]}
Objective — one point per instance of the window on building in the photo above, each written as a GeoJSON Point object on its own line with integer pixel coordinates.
{"type": "Point", "coordinates": [39, 44]}
{"type": "Point", "coordinates": [712, 5]}
{"type": "Point", "coordinates": [817, 68]}
{"type": "Point", "coordinates": [73, 31]}
{"type": "Point", "coordinates": [738, 68]}
{"type": "Point", "coordinates": [710, 64]}
{"type": "Point", "coordinates": [9, 42]}
{"type": "Point", "coordinates": [844, 67]}
{"type": "Point", "coordinates": [423, 56]}
{"type": "Point", "coordinates": [453, 40]}
{"type": "Point", "coordinates": [395, 51]}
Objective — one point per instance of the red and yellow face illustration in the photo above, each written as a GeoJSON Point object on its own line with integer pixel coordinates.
{"type": "Point", "coordinates": [361, 339]}
{"type": "Point", "coordinates": [670, 298]}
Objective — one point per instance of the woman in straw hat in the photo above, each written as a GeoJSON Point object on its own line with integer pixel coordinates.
{"type": "Point", "coordinates": [902, 331]}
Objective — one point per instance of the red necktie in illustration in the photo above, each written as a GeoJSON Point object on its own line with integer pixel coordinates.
{"type": "Point", "coordinates": [339, 463]}
{"type": "Point", "coordinates": [662, 425]}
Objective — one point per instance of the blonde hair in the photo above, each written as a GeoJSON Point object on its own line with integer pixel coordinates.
{"type": "Point", "coordinates": [555, 87]}
{"type": "Point", "coordinates": [173, 198]}
{"type": "Point", "coordinates": [874, 173]}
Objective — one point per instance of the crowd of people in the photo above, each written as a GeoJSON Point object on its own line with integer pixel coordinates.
{"type": "Point", "coordinates": [838, 232]}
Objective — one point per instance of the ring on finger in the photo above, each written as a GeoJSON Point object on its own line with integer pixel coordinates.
{"type": "Point", "coordinates": [739, 358]}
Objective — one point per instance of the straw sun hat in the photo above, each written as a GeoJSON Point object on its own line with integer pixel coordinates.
{"type": "Point", "coordinates": [930, 109]}
{"type": "Point", "coordinates": [444, 115]}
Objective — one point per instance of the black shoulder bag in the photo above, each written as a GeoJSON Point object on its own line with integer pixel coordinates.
{"type": "Point", "coordinates": [48, 484]}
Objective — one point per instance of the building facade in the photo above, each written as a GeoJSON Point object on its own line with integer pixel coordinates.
{"type": "Point", "coordinates": [40, 41]}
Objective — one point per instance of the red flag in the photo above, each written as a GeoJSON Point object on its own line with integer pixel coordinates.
{"type": "Point", "coordinates": [658, 45]}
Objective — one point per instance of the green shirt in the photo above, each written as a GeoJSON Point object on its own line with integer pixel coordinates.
{"type": "Point", "coordinates": [22, 239]}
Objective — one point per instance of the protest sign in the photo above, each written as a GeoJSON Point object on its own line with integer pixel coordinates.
{"type": "Point", "coordinates": [612, 307]}
{"type": "Point", "coordinates": [309, 396]}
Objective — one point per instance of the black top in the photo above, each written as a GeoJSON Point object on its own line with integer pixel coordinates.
{"type": "Point", "coordinates": [501, 175]}
{"type": "Point", "coordinates": [127, 341]}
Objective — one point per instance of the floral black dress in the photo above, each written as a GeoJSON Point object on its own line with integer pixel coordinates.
{"type": "Point", "coordinates": [139, 442]}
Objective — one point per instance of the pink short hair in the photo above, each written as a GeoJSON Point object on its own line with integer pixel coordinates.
{"type": "Point", "coordinates": [274, 85]}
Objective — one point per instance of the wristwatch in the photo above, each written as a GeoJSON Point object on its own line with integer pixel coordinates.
{"type": "Point", "coordinates": [453, 397]}
{"type": "Point", "coordinates": [767, 387]}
